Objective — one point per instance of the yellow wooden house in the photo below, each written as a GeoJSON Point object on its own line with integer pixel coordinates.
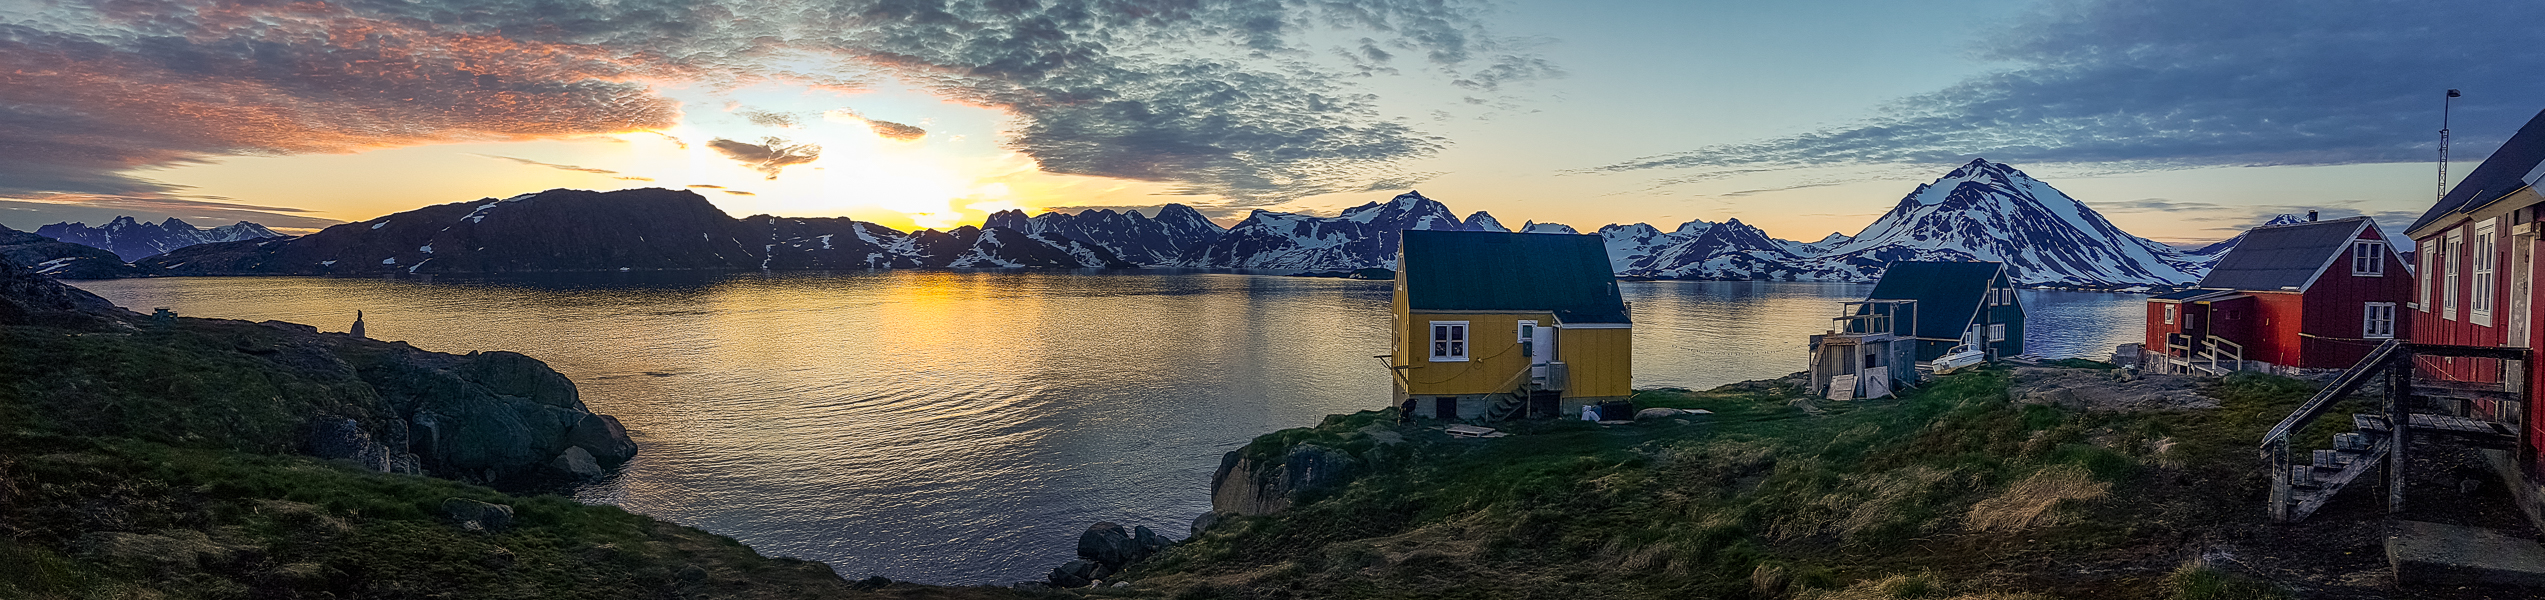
{"type": "Point", "coordinates": [1491, 326]}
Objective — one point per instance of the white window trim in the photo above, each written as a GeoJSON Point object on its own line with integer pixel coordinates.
{"type": "Point", "coordinates": [2372, 265]}
{"type": "Point", "coordinates": [2172, 312]}
{"type": "Point", "coordinates": [1997, 332]}
{"type": "Point", "coordinates": [2429, 267]}
{"type": "Point", "coordinates": [1465, 344]}
{"type": "Point", "coordinates": [2486, 257]}
{"type": "Point", "coordinates": [2449, 252]}
{"type": "Point", "coordinates": [2368, 321]}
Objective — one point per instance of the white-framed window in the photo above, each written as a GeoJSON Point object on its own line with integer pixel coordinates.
{"type": "Point", "coordinates": [2451, 255]}
{"type": "Point", "coordinates": [1528, 331]}
{"type": "Point", "coordinates": [1449, 341]}
{"type": "Point", "coordinates": [2368, 259]}
{"type": "Point", "coordinates": [2429, 261]}
{"type": "Point", "coordinates": [2378, 321]}
{"type": "Point", "coordinates": [1997, 332]}
{"type": "Point", "coordinates": [2172, 311]}
{"type": "Point", "coordinates": [2485, 254]}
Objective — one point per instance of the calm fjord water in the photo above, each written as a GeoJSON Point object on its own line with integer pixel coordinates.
{"type": "Point", "coordinates": [963, 427]}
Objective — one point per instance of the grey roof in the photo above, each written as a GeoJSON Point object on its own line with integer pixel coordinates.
{"type": "Point", "coordinates": [2510, 169]}
{"type": "Point", "coordinates": [2189, 294]}
{"type": "Point", "coordinates": [1484, 270]}
{"type": "Point", "coordinates": [2284, 257]}
{"type": "Point", "coordinates": [1948, 293]}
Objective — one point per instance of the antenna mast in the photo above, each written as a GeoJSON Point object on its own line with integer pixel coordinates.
{"type": "Point", "coordinates": [2444, 106]}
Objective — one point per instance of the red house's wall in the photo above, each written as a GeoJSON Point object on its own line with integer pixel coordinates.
{"type": "Point", "coordinates": [2154, 342]}
{"type": "Point", "coordinates": [2283, 317]}
{"type": "Point", "coordinates": [2430, 326]}
{"type": "Point", "coordinates": [2336, 311]}
{"type": "Point", "coordinates": [2236, 320]}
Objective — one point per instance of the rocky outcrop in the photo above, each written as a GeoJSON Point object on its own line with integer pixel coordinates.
{"type": "Point", "coordinates": [1248, 486]}
{"type": "Point", "coordinates": [1106, 549]}
{"type": "Point", "coordinates": [496, 418]}
{"type": "Point", "coordinates": [30, 298]}
{"type": "Point", "coordinates": [490, 417]}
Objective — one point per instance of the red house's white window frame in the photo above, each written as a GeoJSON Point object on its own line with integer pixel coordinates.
{"type": "Point", "coordinates": [2171, 312]}
{"type": "Point", "coordinates": [2429, 266]}
{"type": "Point", "coordinates": [2368, 258]}
{"type": "Point", "coordinates": [2377, 320]}
{"type": "Point", "coordinates": [2450, 252]}
{"type": "Point", "coordinates": [2486, 257]}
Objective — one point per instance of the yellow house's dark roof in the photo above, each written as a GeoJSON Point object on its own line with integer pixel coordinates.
{"type": "Point", "coordinates": [1522, 272]}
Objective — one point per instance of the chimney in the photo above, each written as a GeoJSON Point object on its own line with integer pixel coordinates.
{"type": "Point", "coordinates": [2310, 216]}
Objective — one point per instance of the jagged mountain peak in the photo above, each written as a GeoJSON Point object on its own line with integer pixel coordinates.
{"type": "Point", "coordinates": [1536, 227]}
{"type": "Point", "coordinates": [1693, 227]}
{"type": "Point", "coordinates": [1483, 221]}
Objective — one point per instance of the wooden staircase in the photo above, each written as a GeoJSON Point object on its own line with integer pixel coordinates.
{"type": "Point", "coordinates": [2411, 407]}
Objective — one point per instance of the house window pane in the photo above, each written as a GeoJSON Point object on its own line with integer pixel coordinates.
{"type": "Point", "coordinates": [2170, 312]}
{"type": "Point", "coordinates": [2368, 258]}
{"type": "Point", "coordinates": [2378, 320]}
{"type": "Point", "coordinates": [1449, 341]}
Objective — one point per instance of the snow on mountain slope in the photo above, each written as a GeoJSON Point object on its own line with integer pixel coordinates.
{"type": "Point", "coordinates": [1993, 212]}
{"type": "Point", "coordinates": [1160, 241]}
{"type": "Point", "coordinates": [1363, 236]}
{"type": "Point", "coordinates": [1536, 227]}
{"type": "Point", "coordinates": [132, 239]}
{"type": "Point", "coordinates": [1484, 222]}
{"type": "Point", "coordinates": [1729, 250]}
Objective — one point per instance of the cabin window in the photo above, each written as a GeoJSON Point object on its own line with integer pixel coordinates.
{"type": "Point", "coordinates": [1997, 332]}
{"type": "Point", "coordinates": [2171, 312]}
{"type": "Point", "coordinates": [2451, 253]}
{"type": "Point", "coordinates": [1529, 338]}
{"type": "Point", "coordinates": [2479, 304]}
{"type": "Point", "coordinates": [2368, 259]}
{"type": "Point", "coordinates": [2379, 321]}
{"type": "Point", "coordinates": [1449, 341]}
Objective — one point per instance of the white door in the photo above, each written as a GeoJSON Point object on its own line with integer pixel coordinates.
{"type": "Point", "coordinates": [1541, 344]}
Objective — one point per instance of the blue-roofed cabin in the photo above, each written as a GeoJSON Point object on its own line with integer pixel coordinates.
{"type": "Point", "coordinates": [1919, 312]}
{"type": "Point", "coordinates": [1954, 303]}
{"type": "Point", "coordinates": [1493, 325]}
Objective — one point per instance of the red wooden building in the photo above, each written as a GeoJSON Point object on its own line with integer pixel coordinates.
{"type": "Point", "coordinates": [2311, 295]}
{"type": "Point", "coordinates": [2478, 254]}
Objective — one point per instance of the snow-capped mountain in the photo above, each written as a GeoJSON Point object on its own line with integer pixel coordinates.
{"type": "Point", "coordinates": [2220, 247]}
{"type": "Point", "coordinates": [61, 260]}
{"type": "Point", "coordinates": [1992, 212]}
{"type": "Point", "coordinates": [1728, 250]}
{"type": "Point", "coordinates": [1362, 237]}
{"type": "Point", "coordinates": [1156, 242]}
{"type": "Point", "coordinates": [643, 229]}
{"type": "Point", "coordinates": [1833, 240]}
{"type": "Point", "coordinates": [1980, 211]}
{"type": "Point", "coordinates": [133, 239]}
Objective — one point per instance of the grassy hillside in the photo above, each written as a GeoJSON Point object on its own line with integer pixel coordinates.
{"type": "Point", "coordinates": [1955, 491]}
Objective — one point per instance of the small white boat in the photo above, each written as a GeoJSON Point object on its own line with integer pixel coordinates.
{"type": "Point", "coordinates": [1957, 358]}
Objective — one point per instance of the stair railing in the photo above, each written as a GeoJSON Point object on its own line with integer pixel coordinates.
{"type": "Point", "coordinates": [2275, 443]}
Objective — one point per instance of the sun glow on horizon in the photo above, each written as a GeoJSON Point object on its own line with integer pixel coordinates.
{"type": "Point", "coordinates": [900, 157]}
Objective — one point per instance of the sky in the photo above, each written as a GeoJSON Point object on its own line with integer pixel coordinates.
{"type": "Point", "coordinates": [2182, 121]}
